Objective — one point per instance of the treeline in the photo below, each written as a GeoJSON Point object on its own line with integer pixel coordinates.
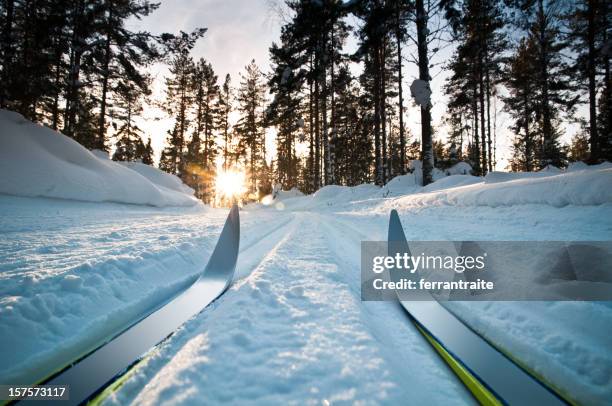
{"type": "Point", "coordinates": [540, 59]}
{"type": "Point", "coordinates": [77, 67]}
{"type": "Point", "coordinates": [549, 57]}
{"type": "Point", "coordinates": [203, 133]}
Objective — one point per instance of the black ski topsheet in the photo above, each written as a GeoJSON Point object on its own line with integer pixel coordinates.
{"type": "Point", "coordinates": [96, 370]}
{"type": "Point", "coordinates": [501, 376]}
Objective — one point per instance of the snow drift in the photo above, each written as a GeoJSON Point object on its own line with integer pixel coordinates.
{"type": "Point", "coordinates": [36, 161]}
{"type": "Point", "coordinates": [580, 188]}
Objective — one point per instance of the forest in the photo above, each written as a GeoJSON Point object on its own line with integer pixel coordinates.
{"type": "Point", "coordinates": [338, 112]}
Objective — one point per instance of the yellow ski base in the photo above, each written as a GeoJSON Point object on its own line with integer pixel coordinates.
{"type": "Point", "coordinates": [478, 390]}
{"type": "Point", "coordinates": [113, 387]}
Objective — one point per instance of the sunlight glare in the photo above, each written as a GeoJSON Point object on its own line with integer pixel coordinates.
{"type": "Point", "coordinates": [230, 184]}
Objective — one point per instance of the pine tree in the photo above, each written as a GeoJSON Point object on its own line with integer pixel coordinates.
{"type": "Point", "coordinates": [376, 51]}
{"type": "Point", "coordinates": [179, 95]}
{"type": "Point", "coordinates": [250, 125]}
{"type": "Point", "coordinates": [313, 39]}
{"type": "Point", "coordinates": [61, 61]}
{"type": "Point", "coordinates": [147, 156]}
{"type": "Point", "coordinates": [579, 149]}
{"type": "Point", "coordinates": [477, 68]}
{"type": "Point", "coordinates": [122, 54]}
{"type": "Point", "coordinates": [285, 109]}
{"type": "Point", "coordinates": [590, 25]}
{"type": "Point", "coordinates": [554, 92]}
{"type": "Point", "coordinates": [168, 159]}
{"type": "Point", "coordinates": [205, 100]}
{"type": "Point", "coordinates": [199, 162]}
{"type": "Point", "coordinates": [179, 98]}
{"type": "Point", "coordinates": [521, 83]}
{"type": "Point", "coordinates": [424, 15]}
{"type": "Point", "coordinates": [129, 146]}
{"type": "Point", "coordinates": [224, 108]}
{"type": "Point", "coordinates": [83, 15]}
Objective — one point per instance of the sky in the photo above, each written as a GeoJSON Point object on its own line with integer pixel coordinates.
{"type": "Point", "coordinates": [238, 31]}
{"type": "Point", "coordinates": [241, 30]}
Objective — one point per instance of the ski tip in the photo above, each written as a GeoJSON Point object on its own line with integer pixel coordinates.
{"type": "Point", "coordinates": [394, 216]}
{"type": "Point", "coordinates": [396, 231]}
{"type": "Point", "coordinates": [234, 214]}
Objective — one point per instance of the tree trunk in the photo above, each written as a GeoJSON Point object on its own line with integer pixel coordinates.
{"type": "Point", "coordinates": [311, 159]}
{"type": "Point", "coordinates": [383, 111]}
{"type": "Point", "coordinates": [72, 94]}
{"type": "Point", "coordinates": [105, 78]}
{"type": "Point", "coordinates": [547, 136]}
{"type": "Point", "coordinates": [225, 130]}
{"type": "Point", "coordinates": [317, 129]}
{"type": "Point", "coordinates": [401, 96]}
{"type": "Point", "coordinates": [477, 167]}
{"type": "Point", "coordinates": [56, 96]}
{"type": "Point", "coordinates": [377, 158]}
{"type": "Point", "coordinates": [607, 125]}
{"type": "Point", "coordinates": [488, 96]}
{"type": "Point", "coordinates": [594, 139]}
{"type": "Point", "coordinates": [426, 139]}
{"type": "Point", "coordinates": [528, 141]}
{"type": "Point", "coordinates": [333, 124]}
{"type": "Point", "coordinates": [325, 135]}
{"type": "Point", "coordinates": [7, 48]}
{"type": "Point", "coordinates": [483, 134]}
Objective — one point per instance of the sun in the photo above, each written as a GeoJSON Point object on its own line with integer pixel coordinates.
{"type": "Point", "coordinates": [230, 184]}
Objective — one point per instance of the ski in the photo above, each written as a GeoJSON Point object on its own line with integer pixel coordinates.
{"type": "Point", "coordinates": [96, 371]}
{"type": "Point", "coordinates": [490, 376]}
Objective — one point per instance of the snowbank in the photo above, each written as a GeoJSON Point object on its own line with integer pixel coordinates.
{"type": "Point", "coordinates": [580, 188]}
{"type": "Point", "coordinates": [460, 168]}
{"type": "Point", "coordinates": [549, 170]}
{"type": "Point", "coordinates": [36, 161]}
{"type": "Point", "coordinates": [452, 181]}
{"type": "Point", "coordinates": [279, 194]}
{"type": "Point", "coordinates": [497, 177]}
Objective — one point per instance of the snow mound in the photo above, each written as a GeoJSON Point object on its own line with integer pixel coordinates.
{"type": "Point", "coordinates": [402, 184]}
{"type": "Point", "coordinates": [549, 170]}
{"type": "Point", "coordinates": [452, 181]}
{"type": "Point", "coordinates": [36, 161]}
{"type": "Point", "coordinates": [497, 177]}
{"type": "Point", "coordinates": [333, 194]}
{"type": "Point", "coordinates": [416, 167]}
{"type": "Point", "coordinates": [460, 168]}
{"type": "Point", "coordinates": [580, 188]}
{"type": "Point", "coordinates": [280, 194]}
{"type": "Point", "coordinates": [159, 178]}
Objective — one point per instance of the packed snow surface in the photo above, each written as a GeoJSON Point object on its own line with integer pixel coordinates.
{"type": "Point", "coordinates": [36, 161]}
{"type": "Point", "coordinates": [292, 329]}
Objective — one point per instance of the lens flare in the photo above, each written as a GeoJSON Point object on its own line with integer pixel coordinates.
{"type": "Point", "coordinates": [230, 184]}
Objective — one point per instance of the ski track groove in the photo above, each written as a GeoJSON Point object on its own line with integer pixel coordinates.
{"type": "Point", "coordinates": [298, 360]}
{"type": "Point", "coordinates": [109, 324]}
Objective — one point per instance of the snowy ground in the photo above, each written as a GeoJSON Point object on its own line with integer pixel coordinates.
{"type": "Point", "coordinates": [292, 328]}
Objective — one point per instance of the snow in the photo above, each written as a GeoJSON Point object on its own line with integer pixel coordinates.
{"type": "Point", "coordinates": [460, 168]}
{"type": "Point", "coordinates": [421, 92]}
{"type": "Point", "coordinates": [452, 181]}
{"type": "Point", "coordinates": [36, 161]}
{"type": "Point", "coordinates": [579, 188]}
{"type": "Point", "coordinates": [292, 328]}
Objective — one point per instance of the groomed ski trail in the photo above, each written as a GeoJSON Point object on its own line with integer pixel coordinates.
{"type": "Point", "coordinates": [295, 330]}
{"type": "Point", "coordinates": [92, 373]}
{"type": "Point", "coordinates": [190, 237]}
